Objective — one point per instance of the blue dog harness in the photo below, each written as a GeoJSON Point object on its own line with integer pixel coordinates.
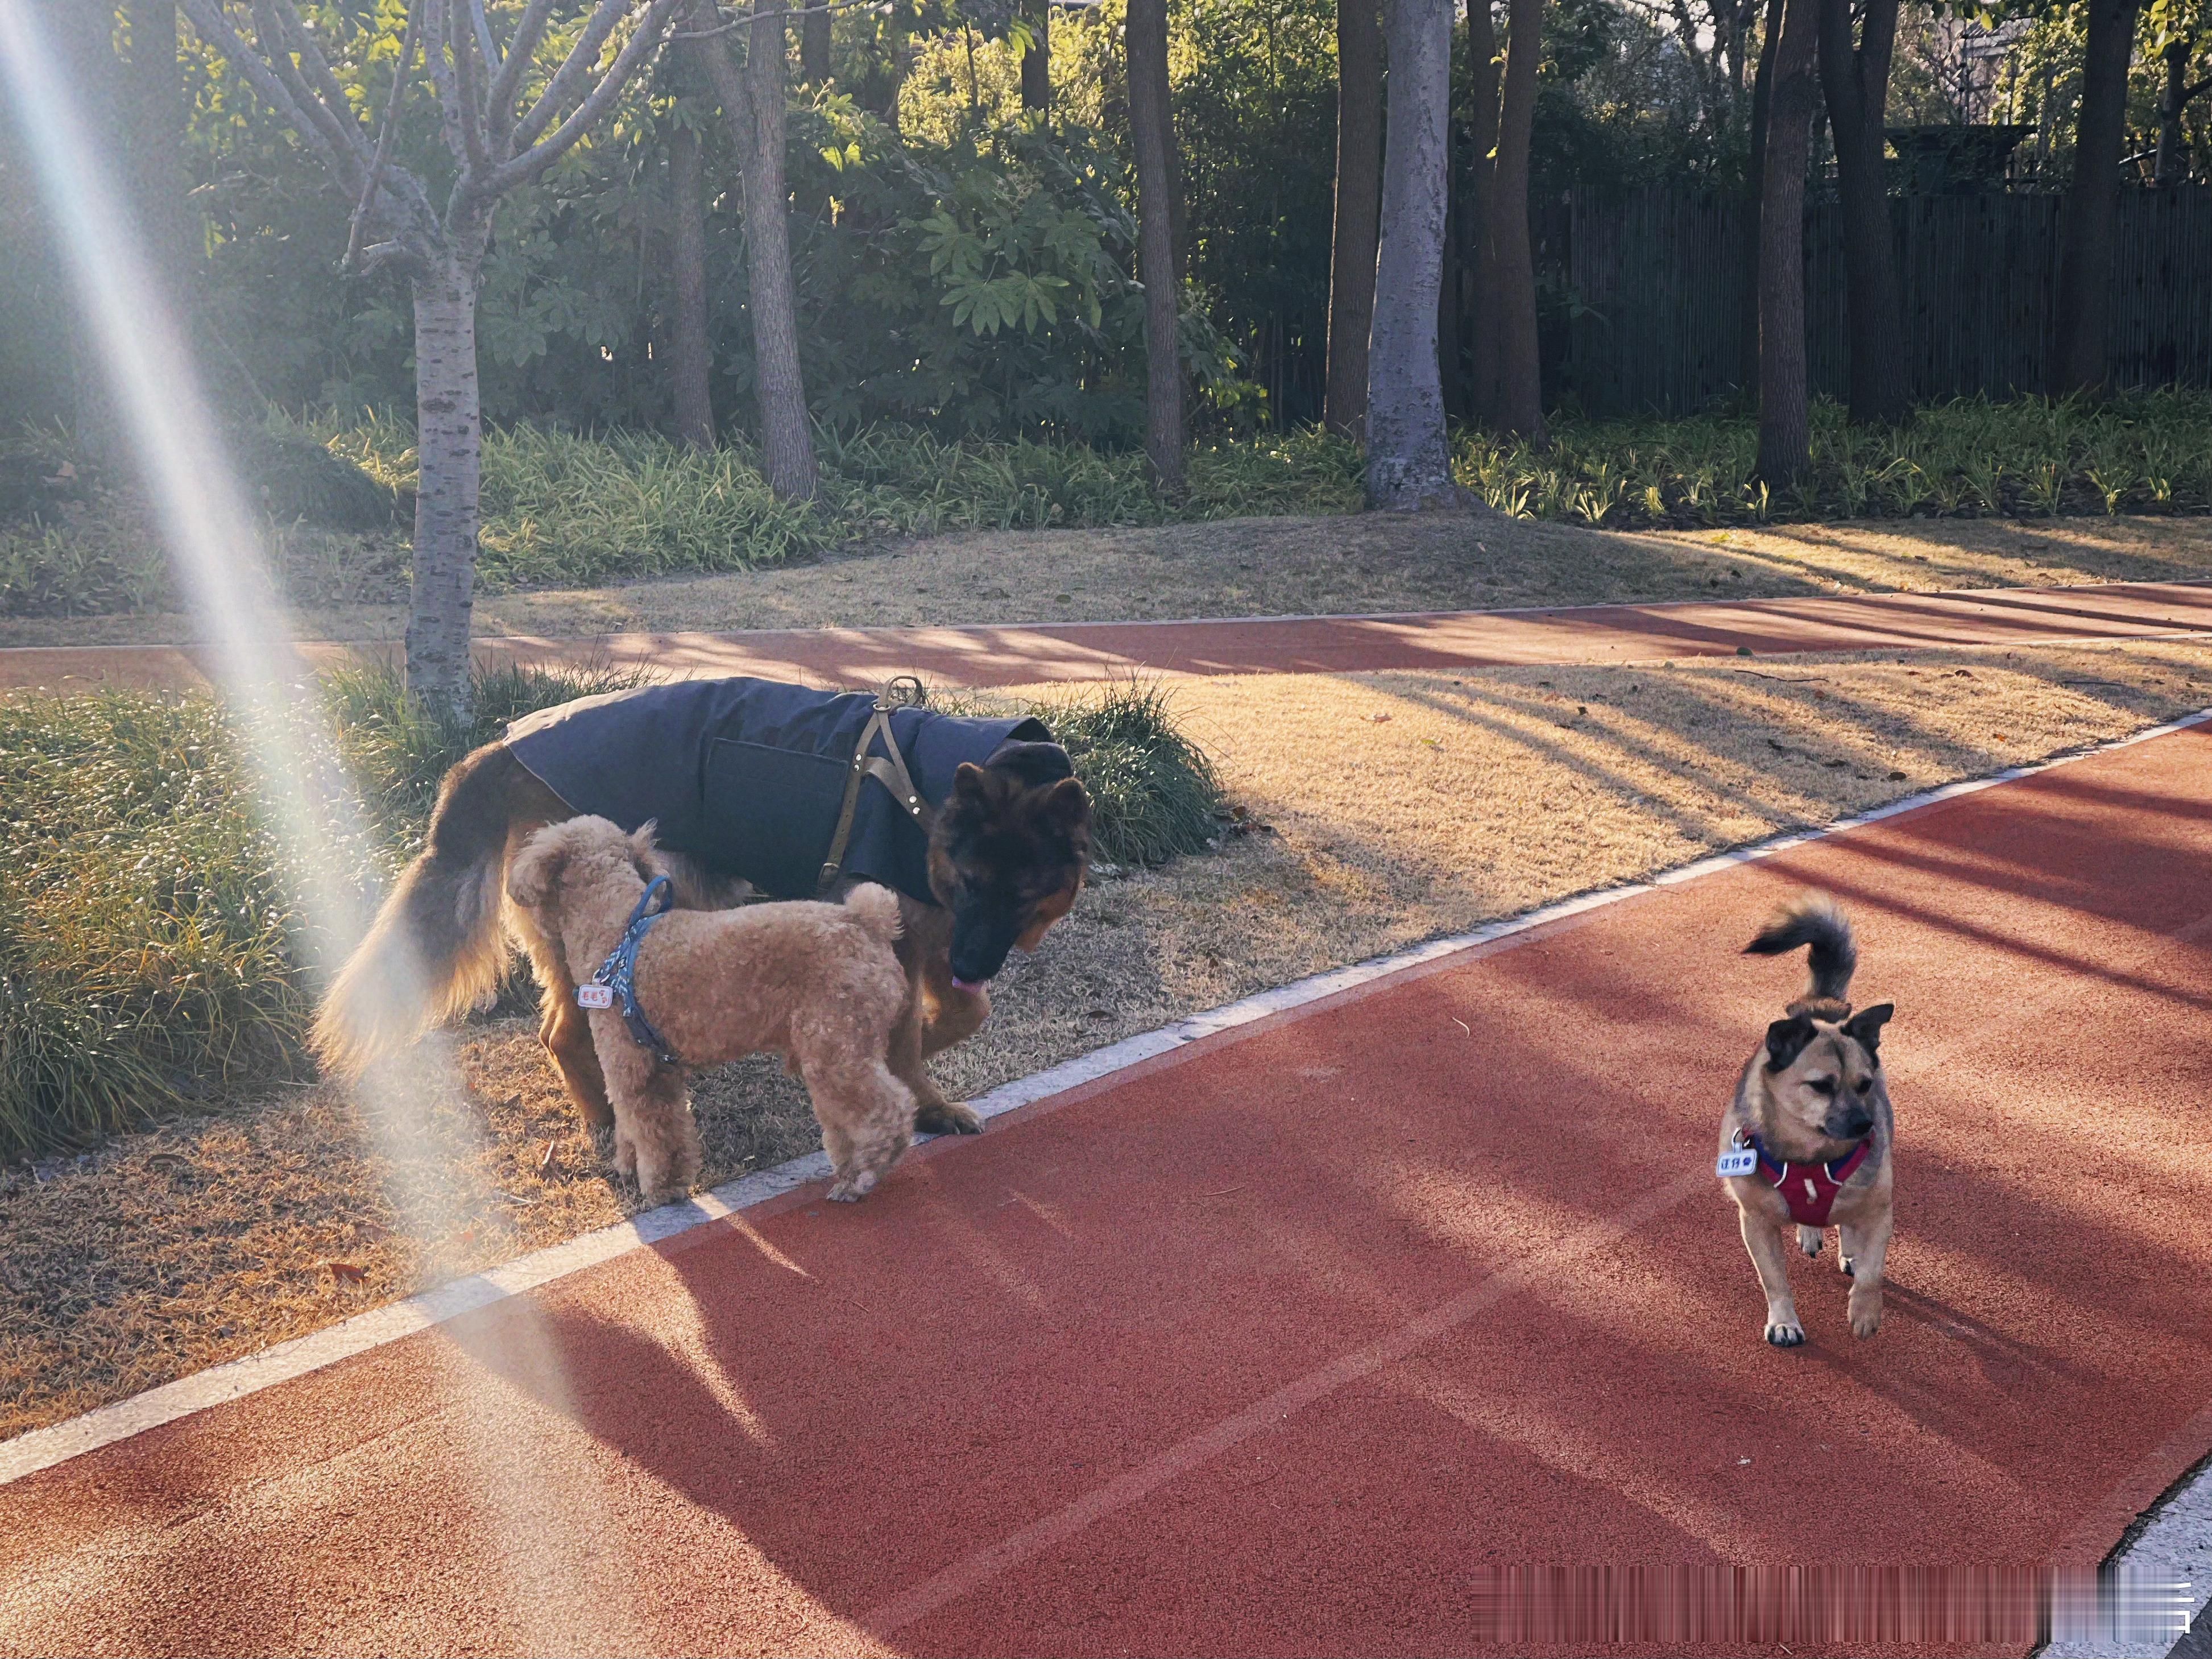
{"type": "Point", "coordinates": [616, 978]}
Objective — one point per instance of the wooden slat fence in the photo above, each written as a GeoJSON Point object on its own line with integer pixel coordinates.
{"type": "Point", "coordinates": [1647, 294]}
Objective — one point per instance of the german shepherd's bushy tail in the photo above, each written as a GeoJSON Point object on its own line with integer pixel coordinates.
{"type": "Point", "coordinates": [435, 948]}
{"type": "Point", "coordinates": [1813, 919]}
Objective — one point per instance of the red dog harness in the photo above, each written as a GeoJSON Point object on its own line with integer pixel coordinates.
{"type": "Point", "coordinates": [1809, 1189]}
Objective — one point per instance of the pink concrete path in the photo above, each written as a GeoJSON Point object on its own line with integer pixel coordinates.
{"type": "Point", "coordinates": [1017, 655]}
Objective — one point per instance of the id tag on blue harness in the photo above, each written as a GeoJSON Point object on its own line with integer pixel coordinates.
{"type": "Point", "coordinates": [595, 996]}
{"type": "Point", "coordinates": [1736, 1161]}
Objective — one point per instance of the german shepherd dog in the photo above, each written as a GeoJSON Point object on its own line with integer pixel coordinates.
{"type": "Point", "coordinates": [1806, 1141]}
{"type": "Point", "coordinates": [1006, 850]}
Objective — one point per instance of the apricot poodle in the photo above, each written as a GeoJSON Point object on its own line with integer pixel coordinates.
{"type": "Point", "coordinates": [818, 983]}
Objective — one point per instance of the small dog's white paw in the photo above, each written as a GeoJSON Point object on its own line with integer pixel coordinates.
{"type": "Point", "coordinates": [1845, 1263]}
{"type": "Point", "coordinates": [855, 1188]}
{"type": "Point", "coordinates": [1809, 1240]}
{"type": "Point", "coordinates": [1786, 1333]}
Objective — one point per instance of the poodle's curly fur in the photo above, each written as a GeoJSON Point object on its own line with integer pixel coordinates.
{"type": "Point", "coordinates": [819, 984]}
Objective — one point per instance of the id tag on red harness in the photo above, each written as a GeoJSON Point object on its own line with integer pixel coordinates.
{"type": "Point", "coordinates": [1736, 1161]}
{"type": "Point", "coordinates": [595, 996]}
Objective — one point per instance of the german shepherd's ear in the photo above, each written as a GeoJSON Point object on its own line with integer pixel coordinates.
{"type": "Point", "coordinates": [1067, 807]}
{"type": "Point", "coordinates": [1786, 1040]}
{"type": "Point", "coordinates": [1865, 1026]}
{"type": "Point", "coordinates": [971, 783]}
{"type": "Point", "coordinates": [537, 869]}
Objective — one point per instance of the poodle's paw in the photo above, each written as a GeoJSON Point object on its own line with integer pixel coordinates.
{"type": "Point", "coordinates": [1782, 1330]}
{"type": "Point", "coordinates": [626, 1155]}
{"type": "Point", "coordinates": [1866, 1314]}
{"type": "Point", "coordinates": [1809, 1240]}
{"type": "Point", "coordinates": [948, 1117]}
{"type": "Point", "coordinates": [851, 1189]}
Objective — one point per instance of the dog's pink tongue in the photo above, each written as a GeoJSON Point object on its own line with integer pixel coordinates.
{"type": "Point", "coordinates": [960, 984]}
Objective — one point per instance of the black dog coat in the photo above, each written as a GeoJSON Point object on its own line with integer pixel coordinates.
{"type": "Point", "coordinates": [748, 776]}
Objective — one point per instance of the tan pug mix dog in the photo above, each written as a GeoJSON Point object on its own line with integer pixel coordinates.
{"type": "Point", "coordinates": [1806, 1143]}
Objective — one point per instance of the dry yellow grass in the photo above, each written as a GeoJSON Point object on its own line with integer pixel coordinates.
{"type": "Point", "coordinates": [1278, 567]}
{"type": "Point", "coordinates": [1397, 806]}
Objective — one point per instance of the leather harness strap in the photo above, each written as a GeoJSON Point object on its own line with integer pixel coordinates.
{"type": "Point", "coordinates": [887, 769]}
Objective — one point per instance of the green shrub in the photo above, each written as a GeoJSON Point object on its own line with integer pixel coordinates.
{"type": "Point", "coordinates": [2150, 452]}
{"type": "Point", "coordinates": [1153, 792]}
{"type": "Point", "coordinates": [145, 956]}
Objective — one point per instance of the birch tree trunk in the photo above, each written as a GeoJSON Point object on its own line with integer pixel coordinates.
{"type": "Point", "coordinates": [1152, 130]}
{"type": "Point", "coordinates": [1854, 77]}
{"type": "Point", "coordinates": [501, 132]}
{"type": "Point", "coordinates": [2091, 209]}
{"type": "Point", "coordinates": [449, 439]}
{"type": "Point", "coordinates": [1408, 464]}
{"type": "Point", "coordinates": [752, 105]}
{"type": "Point", "coordinates": [1358, 210]}
{"type": "Point", "coordinates": [1520, 407]}
{"type": "Point", "coordinates": [1785, 418]}
{"type": "Point", "coordinates": [691, 357]}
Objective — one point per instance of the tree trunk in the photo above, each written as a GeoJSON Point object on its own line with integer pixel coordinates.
{"type": "Point", "coordinates": [1152, 131]}
{"type": "Point", "coordinates": [83, 39]}
{"type": "Point", "coordinates": [156, 91]}
{"type": "Point", "coordinates": [2087, 216]}
{"type": "Point", "coordinates": [1784, 419]}
{"type": "Point", "coordinates": [1451, 291]}
{"type": "Point", "coordinates": [2173, 166]}
{"type": "Point", "coordinates": [1762, 96]}
{"type": "Point", "coordinates": [449, 441]}
{"type": "Point", "coordinates": [814, 48]}
{"type": "Point", "coordinates": [1482, 190]}
{"type": "Point", "coordinates": [1408, 462]}
{"type": "Point", "coordinates": [1359, 208]}
{"type": "Point", "coordinates": [691, 356]}
{"type": "Point", "coordinates": [1036, 58]}
{"type": "Point", "coordinates": [1520, 409]}
{"type": "Point", "coordinates": [752, 105]}
{"type": "Point", "coordinates": [1857, 81]}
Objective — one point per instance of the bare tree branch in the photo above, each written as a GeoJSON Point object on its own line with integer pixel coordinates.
{"type": "Point", "coordinates": [347, 164]}
{"type": "Point", "coordinates": [643, 42]}
{"type": "Point", "coordinates": [399, 78]}
{"type": "Point", "coordinates": [317, 70]}
{"type": "Point", "coordinates": [213, 27]}
{"type": "Point", "coordinates": [575, 70]}
{"type": "Point", "coordinates": [437, 28]}
{"type": "Point", "coordinates": [491, 58]}
{"type": "Point", "coordinates": [500, 105]}
{"type": "Point", "coordinates": [468, 95]}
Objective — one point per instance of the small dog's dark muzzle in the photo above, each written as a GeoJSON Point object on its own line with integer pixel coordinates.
{"type": "Point", "coordinates": [1848, 1125]}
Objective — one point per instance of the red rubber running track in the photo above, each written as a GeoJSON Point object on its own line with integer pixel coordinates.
{"type": "Point", "coordinates": [1279, 1343]}
{"type": "Point", "coordinates": [1287, 645]}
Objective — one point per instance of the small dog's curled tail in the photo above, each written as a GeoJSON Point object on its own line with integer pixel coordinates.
{"type": "Point", "coordinates": [436, 946]}
{"type": "Point", "coordinates": [877, 909]}
{"type": "Point", "coordinates": [1813, 919]}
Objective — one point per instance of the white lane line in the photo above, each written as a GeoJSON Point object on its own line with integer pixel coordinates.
{"type": "Point", "coordinates": [42, 1449]}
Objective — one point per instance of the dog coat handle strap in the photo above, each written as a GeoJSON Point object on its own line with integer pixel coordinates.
{"type": "Point", "coordinates": [890, 772]}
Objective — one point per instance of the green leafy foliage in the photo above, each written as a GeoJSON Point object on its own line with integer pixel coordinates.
{"type": "Point", "coordinates": [1970, 458]}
